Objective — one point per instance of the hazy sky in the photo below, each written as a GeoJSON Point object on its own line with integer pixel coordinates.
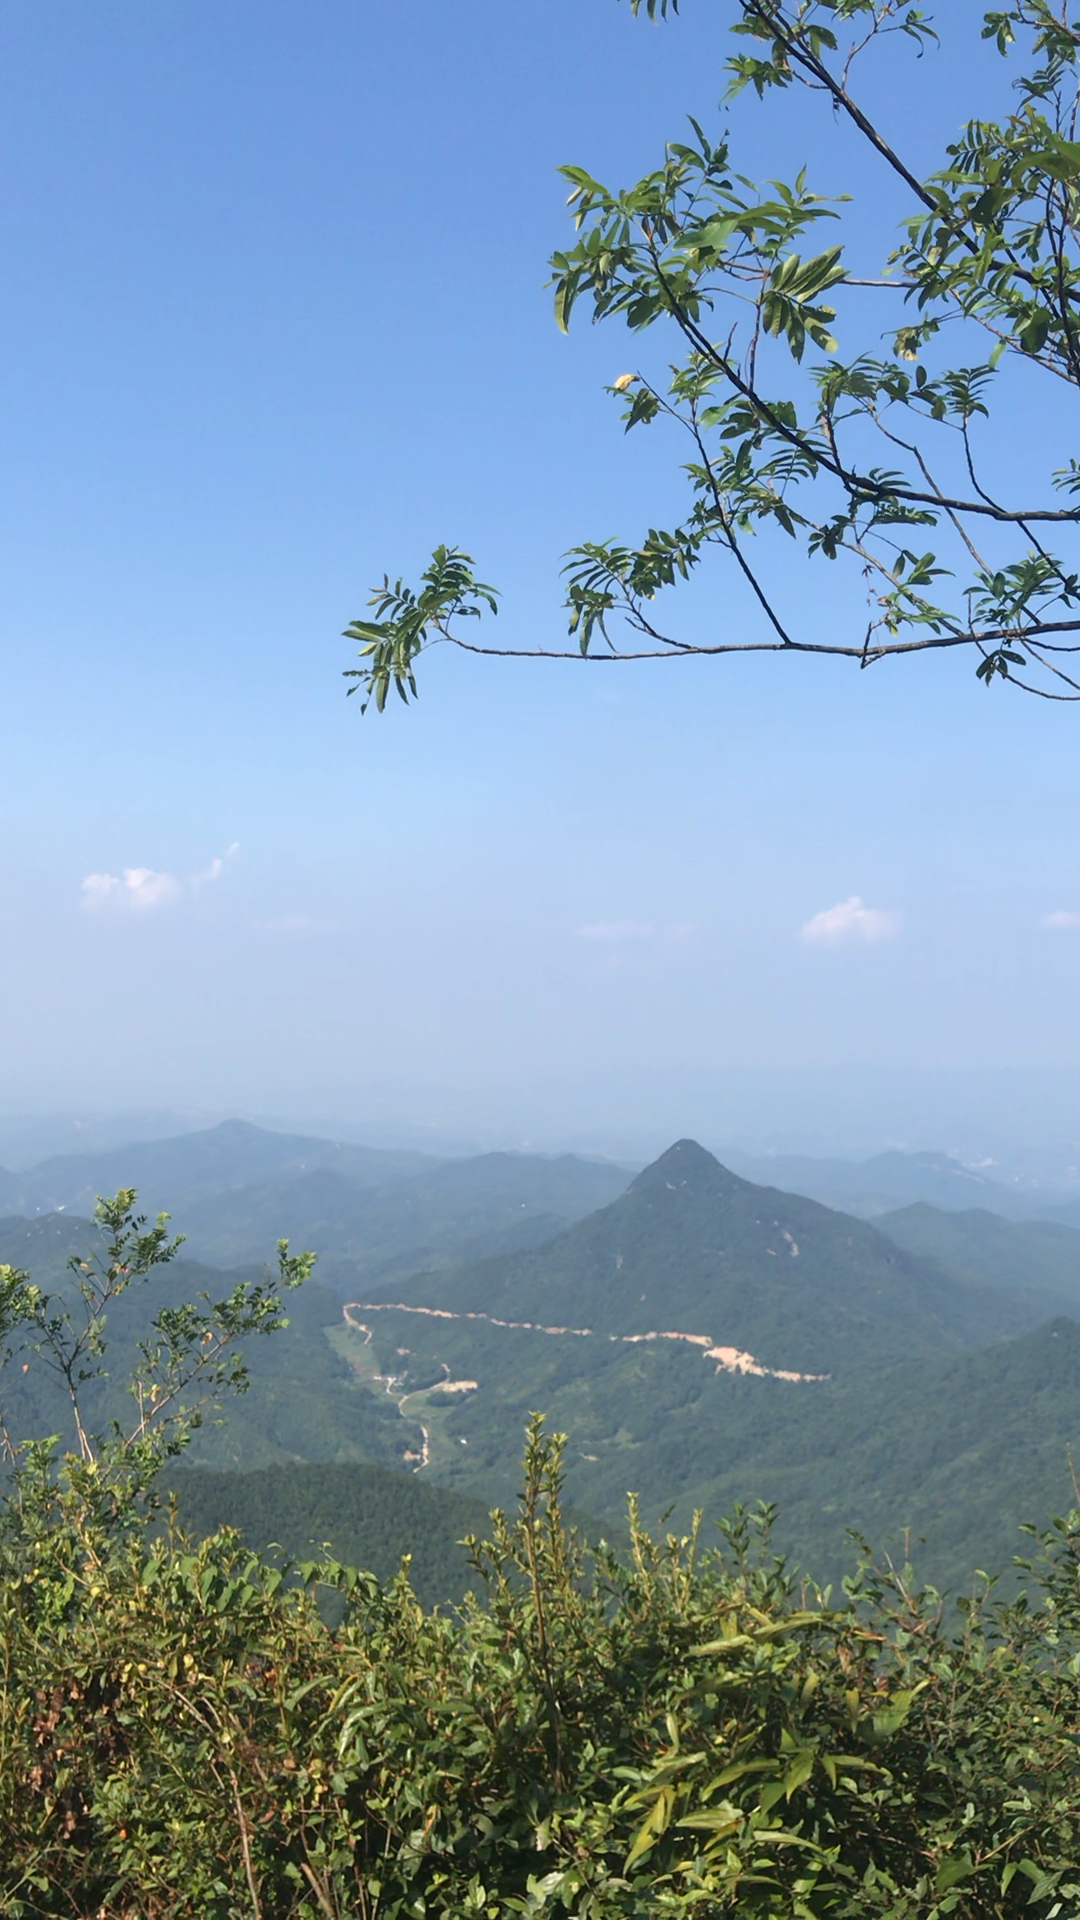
{"type": "Point", "coordinates": [273, 321]}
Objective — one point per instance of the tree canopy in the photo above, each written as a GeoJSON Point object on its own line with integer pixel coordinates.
{"type": "Point", "coordinates": [876, 448]}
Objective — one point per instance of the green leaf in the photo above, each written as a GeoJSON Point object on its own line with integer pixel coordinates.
{"type": "Point", "coordinates": [952, 1871]}
{"type": "Point", "coordinates": [1033, 334]}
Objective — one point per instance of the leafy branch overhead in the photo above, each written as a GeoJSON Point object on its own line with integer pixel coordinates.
{"type": "Point", "coordinates": [859, 409]}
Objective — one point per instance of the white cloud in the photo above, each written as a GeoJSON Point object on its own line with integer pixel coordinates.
{"type": "Point", "coordinates": [851, 920]}
{"type": "Point", "coordinates": [142, 888]}
{"type": "Point", "coordinates": [98, 887]}
{"type": "Point", "coordinates": [137, 887]}
{"type": "Point", "coordinates": [1060, 919]}
{"type": "Point", "coordinates": [216, 868]}
{"type": "Point", "coordinates": [611, 932]}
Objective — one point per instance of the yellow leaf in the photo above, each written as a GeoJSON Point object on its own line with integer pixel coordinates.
{"type": "Point", "coordinates": [625, 380]}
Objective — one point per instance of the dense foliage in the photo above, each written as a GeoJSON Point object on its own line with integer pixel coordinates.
{"type": "Point", "coordinates": [848, 380]}
{"type": "Point", "coordinates": [693, 1733]}
{"type": "Point", "coordinates": [362, 1513]}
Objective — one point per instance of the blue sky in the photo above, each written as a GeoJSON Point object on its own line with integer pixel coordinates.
{"type": "Point", "coordinates": [273, 321]}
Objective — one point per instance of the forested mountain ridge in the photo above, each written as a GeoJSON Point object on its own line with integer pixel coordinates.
{"type": "Point", "coordinates": [693, 1247]}
{"type": "Point", "coordinates": [235, 1190]}
{"type": "Point", "coordinates": [1039, 1258]}
{"type": "Point", "coordinates": [748, 1276]}
{"type": "Point", "coordinates": [460, 1208]}
{"type": "Point", "coordinates": [949, 1456]}
{"type": "Point", "coordinates": [939, 1460]}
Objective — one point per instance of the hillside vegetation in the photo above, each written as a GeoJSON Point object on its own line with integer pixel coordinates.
{"type": "Point", "coordinates": [1031, 1257]}
{"type": "Point", "coordinates": [692, 1726]}
{"type": "Point", "coordinates": [948, 1407]}
{"type": "Point", "coordinates": [363, 1515]}
{"type": "Point", "coordinates": [691, 1733]}
{"type": "Point", "coordinates": [461, 1209]}
{"type": "Point", "coordinates": [931, 1421]}
{"type": "Point", "coordinates": [694, 1247]}
{"type": "Point", "coordinates": [239, 1188]}
{"type": "Point", "coordinates": [302, 1403]}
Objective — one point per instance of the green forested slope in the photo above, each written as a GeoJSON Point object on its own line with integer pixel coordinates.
{"type": "Point", "coordinates": [957, 1455]}
{"type": "Point", "coordinates": [464, 1208]}
{"type": "Point", "coordinates": [693, 1247]}
{"type": "Point", "coordinates": [911, 1428]}
{"type": "Point", "coordinates": [960, 1447]}
{"type": "Point", "coordinates": [690, 1732]}
{"type": "Point", "coordinates": [369, 1517]}
{"type": "Point", "coordinates": [1026, 1257]}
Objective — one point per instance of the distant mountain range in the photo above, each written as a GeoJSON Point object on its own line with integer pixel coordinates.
{"type": "Point", "coordinates": [699, 1336]}
{"type": "Point", "coordinates": [234, 1190]}
{"type": "Point", "coordinates": [173, 1174]}
{"type": "Point", "coordinates": [888, 1180]}
{"type": "Point", "coordinates": [459, 1209]}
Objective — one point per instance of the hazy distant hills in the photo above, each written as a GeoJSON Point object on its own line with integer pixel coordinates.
{"type": "Point", "coordinates": [171, 1174]}
{"type": "Point", "coordinates": [461, 1208]}
{"type": "Point", "coordinates": [890, 1180]}
{"type": "Point", "coordinates": [234, 1190]}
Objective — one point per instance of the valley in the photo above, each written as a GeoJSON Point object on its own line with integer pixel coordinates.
{"type": "Point", "coordinates": [912, 1375]}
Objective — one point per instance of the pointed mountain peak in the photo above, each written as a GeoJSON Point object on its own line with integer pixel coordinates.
{"type": "Point", "coordinates": [688, 1168]}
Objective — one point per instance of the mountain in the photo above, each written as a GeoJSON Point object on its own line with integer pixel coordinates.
{"type": "Point", "coordinates": [172, 1174]}
{"type": "Point", "coordinates": [701, 1339]}
{"type": "Point", "coordinates": [26, 1139]}
{"type": "Point", "coordinates": [957, 1449]}
{"type": "Point", "coordinates": [43, 1247]}
{"type": "Point", "coordinates": [1036, 1259]}
{"type": "Point", "coordinates": [890, 1180]}
{"type": "Point", "coordinates": [1067, 1214]}
{"type": "Point", "coordinates": [759, 1284]}
{"type": "Point", "coordinates": [463, 1209]}
{"type": "Point", "coordinates": [693, 1247]}
{"type": "Point", "coordinates": [234, 1190]}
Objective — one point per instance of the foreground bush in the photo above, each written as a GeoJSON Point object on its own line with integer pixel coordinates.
{"type": "Point", "coordinates": [689, 1733]}
{"type": "Point", "coordinates": [182, 1735]}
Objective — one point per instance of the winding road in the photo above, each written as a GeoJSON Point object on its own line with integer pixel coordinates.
{"type": "Point", "coordinates": [727, 1359]}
